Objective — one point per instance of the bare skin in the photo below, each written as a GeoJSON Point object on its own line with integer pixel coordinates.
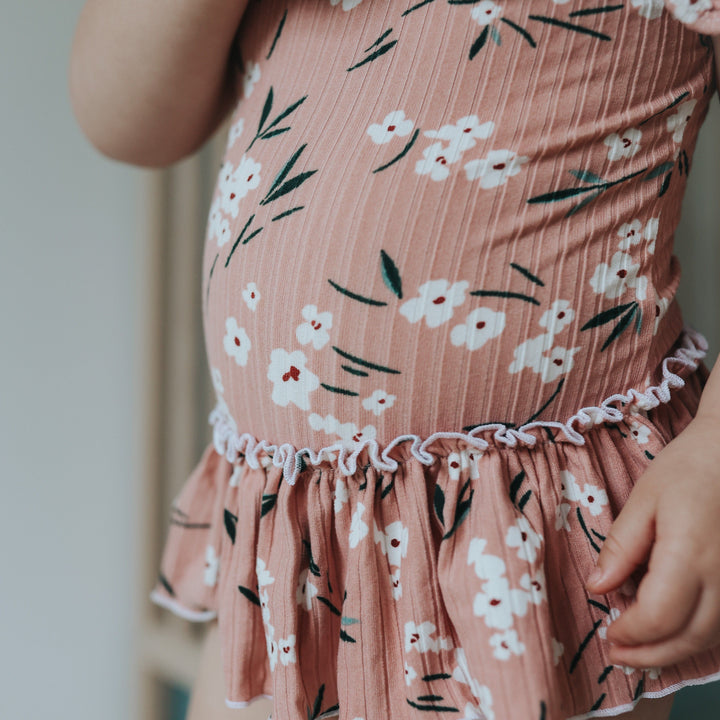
{"type": "Point", "coordinates": [151, 80]}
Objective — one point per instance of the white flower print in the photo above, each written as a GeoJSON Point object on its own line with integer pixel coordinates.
{"type": "Point", "coordinates": [235, 132]}
{"type": "Point", "coordinates": [593, 498]}
{"type": "Point", "coordinates": [435, 303]}
{"type": "Point", "coordinates": [396, 584]}
{"type": "Point", "coordinates": [557, 649]}
{"type": "Point", "coordinates": [497, 603]}
{"type": "Point", "coordinates": [263, 574]}
{"type": "Point", "coordinates": [212, 564]}
{"type": "Point", "coordinates": [341, 495]}
{"type": "Point", "coordinates": [358, 528]}
{"type": "Point", "coordinates": [218, 225]}
{"type": "Point", "coordinates": [393, 542]}
{"type": "Point", "coordinates": [485, 12]}
{"type": "Point", "coordinates": [528, 354]}
{"type": "Point", "coordinates": [286, 650]}
{"type": "Point", "coordinates": [496, 168]}
{"type": "Point", "coordinates": [435, 161]}
{"type": "Point", "coordinates": [348, 432]}
{"type": "Point", "coordinates": [315, 330]}
{"type": "Point", "coordinates": [558, 317]}
{"type": "Point", "coordinates": [217, 381]}
{"type": "Point", "coordinates": [535, 586]}
{"type": "Point", "coordinates": [561, 516]}
{"type": "Point", "coordinates": [633, 232]}
{"type": "Point", "coordinates": [649, 9]}
{"type": "Point", "coordinates": [346, 4]}
{"type": "Point", "coordinates": [461, 136]}
{"type": "Point", "coordinates": [457, 462]}
{"type": "Point", "coordinates": [481, 325]}
{"type": "Point", "coordinates": [236, 341]}
{"type": "Point", "coordinates": [560, 360]}
{"type": "Point", "coordinates": [623, 145]}
{"type": "Point", "coordinates": [250, 77]}
{"type": "Point", "coordinates": [506, 644]}
{"type": "Point", "coordinates": [272, 647]}
{"type": "Point", "coordinates": [410, 674]}
{"type": "Point", "coordinates": [677, 122]}
{"type": "Point", "coordinates": [306, 591]}
{"type": "Point", "coordinates": [482, 693]}
{"type": "Point", "coordinates": [236, 182]}
{"type": "Point", "coordinates": [251, 295]}
{"type": "Point", "coordinates": [292, 381]}
{"type": "Point", "coordinates": [612, 280]}
{"type": "Point", "coordinates": [487, 567]}
{"type": "Point", "coordinates": [394, 124]}
{"type": "Point", "coordinates": [524, 538]}
{"type": "Point", "coordinates": [264, 605]}
{"type": "Point", "coordinates": [568, 486]}
{"type": "Point", "coordinates": [420, 638]}
{"type": "Point", "coordinates": [640, 432]}
{"type": "Point", "coordinates": [661, 306]}
{"type": "Point", "coordinates": [688, 11]}
{"type": "Point", "coordinates": [378, 402]}
{"type": "Point", "coordinates": [609, 620]}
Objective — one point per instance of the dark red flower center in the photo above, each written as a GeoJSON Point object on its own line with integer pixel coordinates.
{"type": "Point", "coordinates": [293, 373]}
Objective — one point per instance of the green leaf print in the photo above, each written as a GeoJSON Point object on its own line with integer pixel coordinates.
{"type": "Point", "coordinates": [606, 316]}
{"type": "Point", "coordinates": [230, 525]}
{"type": "Point", "coordinates": [527, 274]}
{"type": "Point", "coordinates": [377, 53]}
{"type": "Point", "coordinates": [439, 503]}
{"type": "Point", "coordinates": [345, 637]}
{"type": "Point", "coordinates": [570, 26]}
{"type": "Point", "coordinates": [249, 594]}
{"type": "Point", "coordinates": [390, 274]}
{"type": "Point", "coordinates": [595, 188]}
{"type": "Point", "coordinates": [462, 510]}
{"type": "Point", "coordinates": [314, 569]}
{"type": "Point", "coordinates": [317, 705]}
{"type": "Point", "coordinates": [266, 133]}
{"type": "Point", "coordinates": [402, 153]}
{"type": "Point", "coordinates": [277, 34]}
{"type": "Point", "coordinates": [515, 487]}
{"type": "Point", "coordinates": [276, 187]}
{"type": "Point", "coordinates": [355, 296]}
{"type": "Point", "coordinates": [268, 503]}
{"type": "Point", "coordinates": [435, 708]}
{"type": "Point", "coordinates": [477, 46]}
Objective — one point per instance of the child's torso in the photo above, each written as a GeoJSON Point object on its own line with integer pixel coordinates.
{"type": "Point", "coordinates": [446, 214]}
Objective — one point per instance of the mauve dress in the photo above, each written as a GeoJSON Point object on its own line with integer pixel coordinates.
{"type": "Point", "coordinates": [439, 308]}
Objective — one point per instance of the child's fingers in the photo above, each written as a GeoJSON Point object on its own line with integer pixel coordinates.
{"type": "Point", "coordinates": [701, 633]}
{"type": "Point", "coordinates": [628, 542]}
{"type": "Point", "coordinates": [667, 598]}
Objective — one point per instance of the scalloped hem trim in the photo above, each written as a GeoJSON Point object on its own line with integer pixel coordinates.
{"type": "Point", "coordinates": [229, 443]}
{"type": "Point", "coordinates": [180, 610]}
{"type": "Point", "coordinates": [608, 712]}
{"type": "Point", "coordinates": [240, 704]}
{"type": "Point", "coordinates": [604, 712]}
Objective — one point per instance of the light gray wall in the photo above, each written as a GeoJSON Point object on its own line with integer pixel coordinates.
{"type": "Point", "coordinates": [70, 298]}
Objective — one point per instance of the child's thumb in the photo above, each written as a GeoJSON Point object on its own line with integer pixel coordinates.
{"type": "Point", "coordinates": [627, 545]}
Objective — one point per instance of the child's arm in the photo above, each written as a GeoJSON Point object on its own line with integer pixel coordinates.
{"type": "Point", "coordinates": [673, 509]}
{"type": "Point", "coordinates": [150, 80]}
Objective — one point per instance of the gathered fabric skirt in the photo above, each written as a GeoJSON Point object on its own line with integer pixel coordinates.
{"type": "Point", "coordinates": [451, 586]}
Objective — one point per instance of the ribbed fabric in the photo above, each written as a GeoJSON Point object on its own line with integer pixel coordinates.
{"type": "Point", "coordinates": [439, 306]}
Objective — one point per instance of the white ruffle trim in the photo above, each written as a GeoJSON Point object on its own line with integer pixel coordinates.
{"type": "Point", "coordinates": [180, 610]}
{"type": "Point", "coordinates": [232, 445]}
{"type": "Point", "coordinates": [653, 694]}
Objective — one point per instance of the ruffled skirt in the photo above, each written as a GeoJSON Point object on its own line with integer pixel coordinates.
{"type": "Point", "coordinates": [451, 586]}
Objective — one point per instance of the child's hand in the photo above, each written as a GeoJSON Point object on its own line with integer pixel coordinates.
{"type": "Point", "coordinates": [674, 508]}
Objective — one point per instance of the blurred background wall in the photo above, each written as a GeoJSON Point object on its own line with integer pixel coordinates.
{"type": "Point", "coordinates": [71, 296]}
{"type": "Point", "coordinates": [74, 305]}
